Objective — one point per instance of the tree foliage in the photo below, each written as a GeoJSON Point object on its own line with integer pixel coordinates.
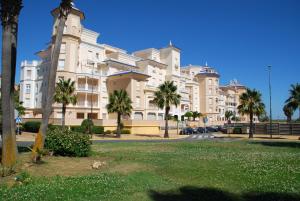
{"type": "Point", "coordinates": [251, 104]}
{"type": "Point", "coordinates": [165, 97]}
{"type": "Point", "coordinates": [119, 103]}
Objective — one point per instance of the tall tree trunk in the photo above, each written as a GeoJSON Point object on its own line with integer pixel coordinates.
{"type": "Point", "coordinates": [251, 125]}
{"type": "Point", "coordinates": [166, 122]}
{"type": "Point", "coordinates": [63, 115]}
{"type": "Point", "coordinates": [289, 121]}
{"type": "Point", "coordinates": [48, 91]}
{"type": "Point", "coordinates": [119, 125]}
{"type": "Point", "coordinates": [9, 54]}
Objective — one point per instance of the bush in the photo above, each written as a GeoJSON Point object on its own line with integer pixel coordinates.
{"type": "Point", "coordinates": [51, 126]}
{"type": "Point", "coordinates": [77, 129]}
{"type": "Point", "coordinates": [86, 124]}
{"type": "Point", "coordinates": [237, 130]}
{"type": "Point", "coordinates": [64, 142]}
{"type": "Point", "coordinates": [32, 126]}
{"type": "Point", "coordinates": [98, 129]}
{"type": "Point", "coordinates": [108, 132]}
{"type": "Point", "coordinates": [124, 131]}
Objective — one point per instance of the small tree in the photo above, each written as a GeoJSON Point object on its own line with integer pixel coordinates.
{"type": "Point", "coordinates": [196, 114]}
{"type": "Point", "coordinates": [120, 103]}
{"type": "Point", "coordinates": [251, 104]}
{"type": "Point", "coordinates": [228, 116]}
{"type": "Point", "coordinates": [164, 98]}
{"type": "Point", "coordinates": [294, 100]}
{"type": "Point", "coordinates": [64, 94]}
{"type": "Point", "coordinates": [288, 112]}
{"type": "Point", "coordinates": [188, 115]}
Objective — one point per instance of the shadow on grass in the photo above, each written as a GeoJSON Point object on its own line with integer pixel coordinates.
{"type": "Point", "coordinates": [190, 193]}
{"type": "Point", "coordinates": [278, 144]}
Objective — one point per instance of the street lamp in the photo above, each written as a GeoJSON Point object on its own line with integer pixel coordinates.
{"type": "Point", "coordinates": [270, 94]}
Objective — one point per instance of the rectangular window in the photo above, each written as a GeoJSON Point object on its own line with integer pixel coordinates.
{"type": "Point", "coordinates": [210, 81]}
{"type": "Point", "coordinates": [80, 115]}
{"type": "Point", "coordinates": [28, 72]}
{"type": "Point", "coordinates": [210, 101]}
{"type": "Point", "coordinates": [28, 88]}
{"type": "Point", "coordinates": [97, 55]}
{"type": "Point", "coordinates": [61, 64]}
{"type": "Point", "coordinates": [27, 102]}
{"type": "Point", "coordinates": [63, 48]}
{"type": "Point", "coordinates": [138, 101]}
{"type": "Point", "coordinates": [209, 91]}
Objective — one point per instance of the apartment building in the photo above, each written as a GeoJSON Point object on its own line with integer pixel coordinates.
{"type": "Point", "coordinates": [98, 69]}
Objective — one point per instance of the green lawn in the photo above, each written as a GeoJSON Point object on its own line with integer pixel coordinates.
{"type": "Point", "coordinates": [189, 171]}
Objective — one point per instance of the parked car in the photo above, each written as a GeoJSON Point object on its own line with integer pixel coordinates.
{"type": "Point", "coordinates": [222, 129]}
{"type": "Point", "coordinates": [187, 131]}
{"type": "Point", "coordinates": [200, 130]}
{"type": "Point", "coordinates": [211, 129]}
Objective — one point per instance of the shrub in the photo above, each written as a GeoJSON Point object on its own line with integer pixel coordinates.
{"type": "Point", "coordinates": [98, 129]}
{"type": "Point", "coordinates": [32, 126]}
{"type": "Point", "coordinates": [108, 132]}
{"type": "Point", "coordinates": [124, 131]}
{"type": "Point", "coordinates": [237, 130]}
{"type": "Point", "coordinates": [64, 142]}
{"type": "Point", "coordinates": [86, 124]}
{"type": "Point", "coordinates": [51, 126]}
{"type": "Point", "coordinates": [77, 129]}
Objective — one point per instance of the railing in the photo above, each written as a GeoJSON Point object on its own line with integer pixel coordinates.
{"type": "Point", "coordinates": [265, 128]}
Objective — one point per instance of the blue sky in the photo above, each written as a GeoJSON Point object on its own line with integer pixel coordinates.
{"type": "Point", "coordinates": [240, 38]}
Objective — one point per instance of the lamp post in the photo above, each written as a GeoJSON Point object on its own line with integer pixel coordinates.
{"type": "Point", "coordinates": [270, 96]}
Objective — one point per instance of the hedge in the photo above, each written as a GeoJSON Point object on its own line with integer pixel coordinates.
{"type": "Point", "coordinates": [98, 129]}
{"type": "Point", "coordinates": [32, 126]}
{"type": "Point", "coordinates": [78, 129]}
{"type": "Point", "coordinates": [65, 142]}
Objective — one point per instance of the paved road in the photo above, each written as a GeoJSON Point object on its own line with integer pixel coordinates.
{"type": "Point", "coordinates": [193, 137]}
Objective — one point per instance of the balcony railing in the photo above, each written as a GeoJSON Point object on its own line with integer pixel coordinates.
{"type": "Point", "coordinates": [87, 88]}
{"type": "Point", "coordinates": [87, 104]}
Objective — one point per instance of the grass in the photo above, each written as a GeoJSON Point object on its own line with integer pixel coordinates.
{"type": "Point", "coordinates": [188, 171]}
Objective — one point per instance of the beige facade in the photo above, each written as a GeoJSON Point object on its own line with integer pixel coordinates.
{"type": "Point", "coordinates": [99, 69]}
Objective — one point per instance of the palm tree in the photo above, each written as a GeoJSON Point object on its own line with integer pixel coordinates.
{"type": "Point", "coordinates": [228, 115]}
{"type": "Point", "coordinates": [164, 98]}
{"type": "Point", "coordinates": [64, 94]}
{"type": "Point", "coordinates": [251, 104]}
{"type": "Point", "coordinates": [120, 103]}
{"type": "Point", "coordinates": [49, 80]}
{"type": "Point", "coordinates": [294, 99]}
{"type": "Point", "coordinates": [195, 115]}
{"type": "Point", "coordinates": [9, 12]}
{"type": "Point", "coordinates": [288, 112]}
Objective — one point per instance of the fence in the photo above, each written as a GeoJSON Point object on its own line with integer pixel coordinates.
{"type": "Point", "coordinates": [276, 128]}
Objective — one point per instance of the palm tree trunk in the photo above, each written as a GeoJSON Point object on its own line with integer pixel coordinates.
{"type": "Point", "coordinates": [166, 135]}
{"type": "Point", "coordinates": [9, 54]}
{"type": "Point", "coordinates": [119, 125]}
{"type": "Point", "coordinates": [251, 125]}
{"type": "Point", "coordinates": [63, 115]}
{"type": "Point", "coordinates": [48, 91]}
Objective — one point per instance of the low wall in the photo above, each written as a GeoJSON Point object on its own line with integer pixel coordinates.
{"type": "Point", "coordinates": [135, 126]}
